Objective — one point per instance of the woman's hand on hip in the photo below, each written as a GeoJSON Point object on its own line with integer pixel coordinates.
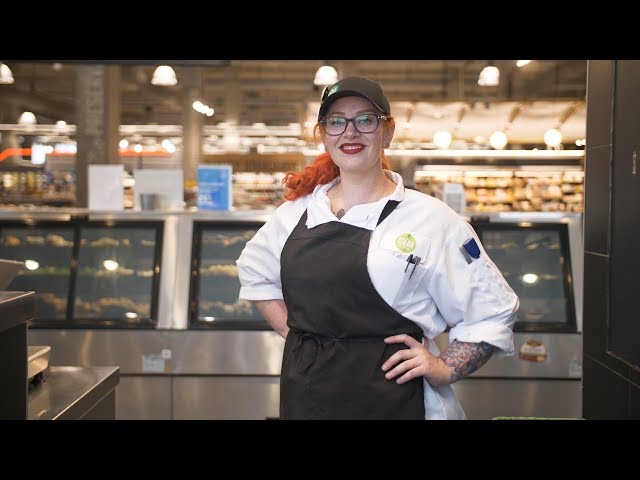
{"type": "Point", "coordinates": [415, 361]}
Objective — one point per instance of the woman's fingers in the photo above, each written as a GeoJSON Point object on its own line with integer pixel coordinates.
{"type": "Point", "coordinates": [406, 364]}
{"type": "Point", "coordinates": [396, 358]}
{"type": "Point", "coordinates": [408, 340]}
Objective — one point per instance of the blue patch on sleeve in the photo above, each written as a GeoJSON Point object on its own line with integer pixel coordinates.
{"type": "Point", "coordinates": [471, 250]}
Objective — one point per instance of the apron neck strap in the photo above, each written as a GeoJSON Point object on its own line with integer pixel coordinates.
{"type": "Point", "coordinates": [388, 208]}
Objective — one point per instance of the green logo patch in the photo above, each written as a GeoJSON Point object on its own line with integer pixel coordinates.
{"type": "Point", "coordinates": [406, 243]}
{"type": "Point", "coordinates": [333, 90]}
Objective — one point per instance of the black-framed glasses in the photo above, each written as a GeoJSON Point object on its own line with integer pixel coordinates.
{"type": "Point", "coordinates": [365, 123]}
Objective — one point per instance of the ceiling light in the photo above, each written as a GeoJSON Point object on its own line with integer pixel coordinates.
{"type": "Point", "coordinates": [442, 139]}
{"type": "Point", "coordinates": [498, 140]}
{"type": "Point", "coordinates": [522, 63]}
{"type": "Point", "coordinates": [326, 75]}
{"type": "Point", "coordinates": [27, 118]}
{"type": "Point", "coordinates": [6, 77]}
{"type": "Point", "coordinates": [164, 76]}
{"type": "Point", "coordinates": [552, 137]}
{"type": "Point", "coordinates": [489, 76]}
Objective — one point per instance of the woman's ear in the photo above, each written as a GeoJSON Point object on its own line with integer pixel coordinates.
{"type": "Point", "coordinates": [388, 135]}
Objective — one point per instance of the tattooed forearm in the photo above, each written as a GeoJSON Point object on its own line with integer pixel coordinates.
{"type": "Point", "coordinates": [465, 358]}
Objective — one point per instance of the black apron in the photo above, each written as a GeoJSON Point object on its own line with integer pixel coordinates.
{"type": "Point", "coordinates": [338, 322]}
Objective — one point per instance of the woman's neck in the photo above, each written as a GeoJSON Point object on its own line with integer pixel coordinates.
{"type": "Point", "coordinates": [351, 191]}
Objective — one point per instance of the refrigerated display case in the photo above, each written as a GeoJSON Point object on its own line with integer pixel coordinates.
{"type": "Point", "coordinates": [47, 250]}
{"type": "Point", "coordinates": [535, 260]}
{"type": "Point", "coordinates": [117, 276]}
{"type": "Point", "coordinates": [87, 273]}
{"type": "Point", "coordinates": [214, 288]}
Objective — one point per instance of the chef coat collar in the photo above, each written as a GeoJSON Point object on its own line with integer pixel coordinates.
{"type": "Point", "coordinates": [363, 216]}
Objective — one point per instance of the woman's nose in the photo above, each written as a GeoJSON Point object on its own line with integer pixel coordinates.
{"type": "Point", "coordinates": [351, 128]}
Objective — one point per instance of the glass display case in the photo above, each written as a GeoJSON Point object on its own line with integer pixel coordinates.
{"type": "Point", "coordinates": [213, 295]}
{"type": "Point", "coordinates": [47, 250]}
{"type": "Point", "coordinates": [87, 273]}
{"type": "Point", "coordinates": [117, 274]}
{"type": "Point", "coordinates": [535, 259]}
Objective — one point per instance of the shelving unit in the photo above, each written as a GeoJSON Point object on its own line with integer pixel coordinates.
{"type": "Point", "coordinates": [525, 189]}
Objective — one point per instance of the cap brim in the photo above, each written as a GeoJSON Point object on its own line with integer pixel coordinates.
{"type": "Point", "coordinates": [324, 106]}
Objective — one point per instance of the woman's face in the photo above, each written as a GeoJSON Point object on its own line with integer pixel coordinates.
{"type": "Point", "coordinates": [353, 151]}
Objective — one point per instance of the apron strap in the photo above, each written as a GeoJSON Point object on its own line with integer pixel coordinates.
{"type": "Point", "coordinates": [388, 208]}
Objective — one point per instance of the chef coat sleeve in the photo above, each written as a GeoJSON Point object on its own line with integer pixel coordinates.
{"type": "Point", "coordinates": [259, 261]}
{"type": "Point", "coordinates": [472, 296]}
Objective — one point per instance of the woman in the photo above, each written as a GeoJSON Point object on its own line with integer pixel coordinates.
{"type": "Point", "coordinates": [360, 275]}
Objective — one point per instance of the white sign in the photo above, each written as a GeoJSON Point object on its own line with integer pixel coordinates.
{"type": "Point", "coordinates": [106, 187]}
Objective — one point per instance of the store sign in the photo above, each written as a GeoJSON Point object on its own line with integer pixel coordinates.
{"type": "Point", "coordinates": [214, 187]}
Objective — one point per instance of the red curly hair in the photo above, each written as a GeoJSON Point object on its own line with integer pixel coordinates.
{"type": "Point", "coordinates": [322, 170]}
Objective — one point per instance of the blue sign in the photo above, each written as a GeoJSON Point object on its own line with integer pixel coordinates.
{"type": "Point", "coordinates": [214, 187]}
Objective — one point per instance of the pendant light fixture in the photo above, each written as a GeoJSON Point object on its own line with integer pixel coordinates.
{"type": "Point", "coordinates": [6, 76]}
{"type": "Point", "coordinates": [27, 118]}
{"type": "Point", "coordinates": [489, 76]}
{"type": "Point", "coordinates": [326, 75]}
{"type": "Point", "coordinates": [498, 140]}
{"type": "Point", "coordinates": [442, 139]}
{"type": "Point", "coordinates": [553, 138]}
{"type": "Point", "coordinates": [164, 76]}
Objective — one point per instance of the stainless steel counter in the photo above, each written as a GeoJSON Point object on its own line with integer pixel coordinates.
{"type": "Point", "coordinates": [75, 393]}
{"type": "Point", "coordinates": [16, 309]}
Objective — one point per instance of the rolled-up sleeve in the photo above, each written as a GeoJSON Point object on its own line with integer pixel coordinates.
{"type": "Point", "coordinates": [259, 265]}
{"type": "Point", "coordinates": [473, 298]}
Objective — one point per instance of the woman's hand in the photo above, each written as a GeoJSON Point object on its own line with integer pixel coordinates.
{"type": "Point", "coordinates": [416, 361]}
{"type": "Point", "coordinates": [459, 360]}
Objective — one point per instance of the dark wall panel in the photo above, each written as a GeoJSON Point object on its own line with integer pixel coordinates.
{"type": "Point", "coordinates": [624, 329]}
{"type": "Point", "coordinates": [605, 394]}
{"type": "Point", "coordinates": [612, 207]}
{"type": "Point", "coordinates": [599, 93]}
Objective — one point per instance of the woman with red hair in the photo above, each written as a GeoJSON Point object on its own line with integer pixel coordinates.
{"type": "Point", "coordinates": [359, 275]}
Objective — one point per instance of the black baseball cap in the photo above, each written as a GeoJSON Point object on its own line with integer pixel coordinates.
{"type": "Point", "coordinates": [354, 86]}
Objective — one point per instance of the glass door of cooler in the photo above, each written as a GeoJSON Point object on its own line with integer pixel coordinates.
{"type": "Point", "coordinates": [46, 248]}
{"type": "Point", "coordinates": [214, 288]}
{"type": "Point", "coordinates": [117, 278]}
{"type": "Point", "coordinates": [535, 259]}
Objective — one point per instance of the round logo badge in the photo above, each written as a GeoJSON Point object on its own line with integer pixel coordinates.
{"type": "Point", "coordinates": [406, 243]}
{"type": "Point", "coordinates": [333, 90]}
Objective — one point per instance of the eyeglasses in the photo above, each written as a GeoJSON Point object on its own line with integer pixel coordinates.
{"type": "Point", "coordinates": [367, 123]}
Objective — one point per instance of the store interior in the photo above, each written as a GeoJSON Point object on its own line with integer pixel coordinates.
{"type": "Point", "coordinates": [155, 292]}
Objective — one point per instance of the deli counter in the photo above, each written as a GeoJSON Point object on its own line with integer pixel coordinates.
{"type": "Point", "coordinates": [156, 293]}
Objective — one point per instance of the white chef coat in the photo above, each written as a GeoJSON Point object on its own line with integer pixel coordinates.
{"type": "Point", "coordinates": [473, 299]}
